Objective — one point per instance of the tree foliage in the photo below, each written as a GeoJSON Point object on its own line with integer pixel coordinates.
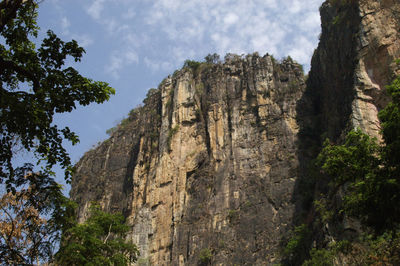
{"type": "Point", "coordinates": [32, 218]}
{"type": "Point", "coordinates": [390, 118]}
{"type": "Point", "coordinates": [212, 58]}
{"type": "Point", "coordinates": [369, 171]}
{"type": "Point", "coordinates": [98, 241]}
{"type": "Point", "coordinates": [296, 248]}
{"type": "Point", "coordinates": [363, 183]}
{"type": "Point", "coordinates": [34, 85]}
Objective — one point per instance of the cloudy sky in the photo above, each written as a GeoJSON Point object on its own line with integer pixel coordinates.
{"type": "Point", "coordinates": [134, 44]}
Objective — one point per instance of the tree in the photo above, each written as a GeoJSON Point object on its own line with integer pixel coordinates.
{"type": "Point", "coordinates": [32, 219]}
{"type": "Point", "coordinates": [212, 58]}
{"type": "Point", "coordinates": [98, 241]}
{"type": "Point", "coordinates": [368, 171]}
{"type": "Point", "coordinates": [390, 118]}
{"type": "Point", "coordinates": [34, 85]}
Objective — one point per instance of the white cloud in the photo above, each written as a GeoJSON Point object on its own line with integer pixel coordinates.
{"type": "Point", "coordinates": [131, 57]}
{"type": "Point", "coordinates": [115, 64]}
{"type": "Point", "coordinates": [83, 40]}
{"type": "Point", "coordinates": [295, 6]}
{"type": "Point", "coordinates": [230, 19]}
{"type": "Point", "coordinates": [65, 24]}
{"type": "Point", "coordinates": [119, 60]}
{"type": "Point", "coordinates": [301, 50]}
{"type": "Point", "coordinates": [129, 14]}
{"type": "Point", "coordinates": [95, 9]}
{"type": "Point", "coordinates": [156, 65]}
{"type": "Point", "coordinates": [174, 30]}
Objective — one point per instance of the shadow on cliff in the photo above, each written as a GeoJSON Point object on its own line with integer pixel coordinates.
{"type": "Point", "coordinates": [324, 111]}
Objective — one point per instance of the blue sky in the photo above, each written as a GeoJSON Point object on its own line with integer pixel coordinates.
{"type": "Point", "coordinates": [134, 44]}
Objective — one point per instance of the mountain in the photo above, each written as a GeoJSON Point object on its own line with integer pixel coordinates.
{"type": "Point", "coordinates": [215, 166]}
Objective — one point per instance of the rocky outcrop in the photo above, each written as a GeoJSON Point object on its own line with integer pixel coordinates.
{"type": "Point", "coordinates": [355, 59]}
{"type": "Point", "coordinates": [217, 157]}
{"type": "Point", "coordinates": [208, 163]}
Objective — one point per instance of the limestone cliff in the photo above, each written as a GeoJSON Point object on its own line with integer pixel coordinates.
{"type": "Point", "coordinates": [355, 60]}
{"type": "Point", "coordinates": [209, 162]}
{"type": "Point", "coordinates": [216, 157]}
{"type": "Point", "coordinates": [353, 63]}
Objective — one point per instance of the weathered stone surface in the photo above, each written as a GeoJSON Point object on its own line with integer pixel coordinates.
{"type": "Point", "coordinates": [353, 63]}
{"type": "Point", "coordinates": [216, 157]}
{"type": "Point", "coordinates": [355, 59]}
{"type": "Point", "coordinates": [219, 172]}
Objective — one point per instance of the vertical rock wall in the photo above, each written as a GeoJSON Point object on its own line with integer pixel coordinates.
{"type": "Point", "coordinates": [353, 63]}
{"type": "Point", "coordinates": [214, 159]}
{"type": "Point", "coordinates": [209, 162]}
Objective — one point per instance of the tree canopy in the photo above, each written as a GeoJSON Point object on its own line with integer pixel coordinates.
{"type": "Point", "coordinates": [370, 171]}
{"type": "Point", "coordinates": [98, 241]}
{"type": "Point", "coordinates": [364, 175]}
{"type": "Point", "coordinates": [33, 218]}
{"type": "Point", "coordinates": [34, 85]}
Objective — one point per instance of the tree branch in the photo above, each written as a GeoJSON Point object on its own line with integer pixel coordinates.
{"type": "Point", "coordinates": [10, 8]}
{"type": "Point", "coordinates": [109, 232]}
{"type": "Point", "coordinates": [20, 70]}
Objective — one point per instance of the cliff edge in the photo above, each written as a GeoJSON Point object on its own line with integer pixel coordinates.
{"type": "Point", "coordinates": [215, 160]}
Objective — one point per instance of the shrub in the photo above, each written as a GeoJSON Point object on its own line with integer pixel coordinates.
{"type": "Point", "coordinates": [192, 64]}
{"type": "Point", "coordinates": [205, 256]}
{"type": "Point", "coordinates": [171, 133]}
{"type": "Point", "coordinates": [212, 59]}
{"type": "Point", "coordinates": [320, 257]}
{"type": "Point", "coordinates": [297, 248]}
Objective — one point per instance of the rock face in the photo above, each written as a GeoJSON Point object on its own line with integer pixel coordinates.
{"type": "Point", "coordinates": [209, 162]}
{"type": "Point", "coordinates": [355, 59]}
{"type": "Point", "coordinates": [214, 158]}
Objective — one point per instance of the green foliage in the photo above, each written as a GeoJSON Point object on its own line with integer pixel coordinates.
{"type": "Point", "coordinates": [170, 98]}
{"type": "Point", "coordinates": [368, 250]}
{"type": "Point", "coordinates": [98, 241]}
{"type": "Point", "coordinates": [351, 161]}
{"type": "Point", "coordinates": [150, 94]}
{"type": "Point", "coordinates": [171, 133]}
{"type": "Point", "coordinates": [297, 247]}
{"type": "Point", "coordinates": [336, 20]}
{"type": "Point", "coordinates": [369, 174]}
{"type": "Point", "coordinates": [324, 211]}
{"type": "Point", "coordinates": [232, 215]}
{"type": "Point", "coordinates": [371, 192]}
{"type": "Point", "coordinates": [382, 250]}
{"type": "Point", "coordinates": [274, 61]}
{"type": "Point", "coordinates": [111, 131]}
{"type": "Point", "coordinates": [293, 84]}
{"type": "Point", "coordinates": [212, 59]}
{"type": "Point", "coordinates": [205, 256]}
{"type": "Point", "coordinates": [35, 86]}
{"type": "Point", "coordinates": [192, 64]}
{"type": "Point", "coordinates": [390, 118]}
{"type": "Point", "coordinates": [320, 257]}
{"type": "Point", "coordinates": [25, 235]}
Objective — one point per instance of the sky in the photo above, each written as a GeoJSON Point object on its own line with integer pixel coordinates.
{"type": "Point", "coordinates": [134, 44]}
